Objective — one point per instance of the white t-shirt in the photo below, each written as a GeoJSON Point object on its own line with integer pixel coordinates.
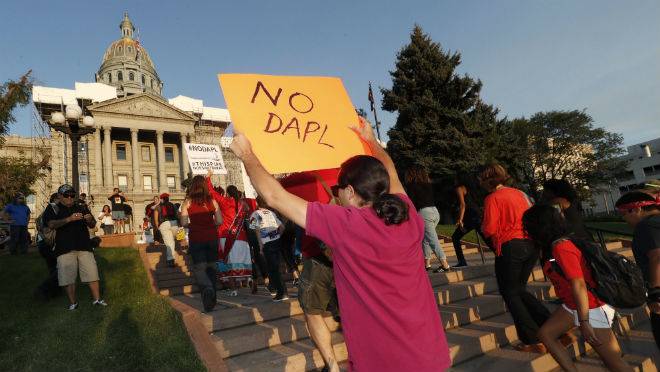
{"type": "Point", "coordinates": [106, 219]}
{"type": "Point", "coordinates": [267, 223]}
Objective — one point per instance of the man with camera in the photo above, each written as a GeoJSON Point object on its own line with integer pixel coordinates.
{"type": "Point", "coordinates": [73, 246]}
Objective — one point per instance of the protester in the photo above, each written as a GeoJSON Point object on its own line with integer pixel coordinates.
{"type": "Point", "coordinates": [50, 287]}
{"type": "Point", "coordinates": [469, 214]}
{"type": "Point", "coordinates": [570, 274]}
{"type": "Point", "coordinates": [18, 214]}
{"type": "Point", "coordinates": [389, 313]}
{"type": "Point", "coordinates": [107, 223]}
{"type": "Point", "coordinates": [149, 212]}
{"type": "Point", "coordinates": [641, 211]}
{"type": "Point", "coordinates": [515, 255]}
{"type": "Point", "coordinates": [201, 214]}
{"type": "Point", "coordinates": [563, 196]}
{"type": "Point", "coordinates": [128, 218]}
{"type": "Point", "coordinates": [165, 217]}
{"type": "Point", "coordinates": [73, 247]}
{"type": "Point", "coordinates": [269, 230]}
{"type": "Point", "coordinates": [117, 201]}
{"type": "Point", "coordinates": [420, 190]}
{"type": "Point", "coordinates": [147, 231]}
{"type": "Point", "coordinates": [288, 240]}
{"type": "Point", "coordinates": [259, 266]}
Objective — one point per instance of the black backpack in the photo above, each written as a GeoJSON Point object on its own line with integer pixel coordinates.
{"type": "Point", "coordinates": [620, 281]}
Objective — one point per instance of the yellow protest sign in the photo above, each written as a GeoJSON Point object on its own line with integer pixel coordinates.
{"type": "Point", "coordinates": [295, 123]}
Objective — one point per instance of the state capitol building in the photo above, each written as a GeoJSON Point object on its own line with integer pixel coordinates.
{"type": "Point", "coordinates": [137, 143]}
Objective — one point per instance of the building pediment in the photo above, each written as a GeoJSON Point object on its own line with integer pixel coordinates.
{"type": "Point", "coordinates": [143, 105]}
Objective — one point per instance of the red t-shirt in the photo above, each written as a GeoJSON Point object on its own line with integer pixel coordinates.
{"type": "Point", "coordinates": [503, 211]}
{"type": "Point", "coordinates": [389, 314]}
{"type": "Point", "coordinates": [572, 263]}
{"type": "Point", "coordinates": [202, 224]}
{"type": "Point", "coordinates": [227, 209]}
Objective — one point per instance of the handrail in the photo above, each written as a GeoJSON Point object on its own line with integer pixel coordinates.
{"type": "Point", "coordinates": [601, 236]}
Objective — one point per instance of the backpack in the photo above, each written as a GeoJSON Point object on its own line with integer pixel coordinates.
{"type": "Point", "coordinates": [620, 281]}
{"type": "Point", "coordinates": [44, 232]}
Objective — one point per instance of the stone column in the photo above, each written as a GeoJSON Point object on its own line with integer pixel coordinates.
{"type": "Point", "coordinates": [98, 160]}
{"type": "Point", "coordinates": [162, 176]}
{"type": "Point", "coordinates": [135, 151]}
{"type": "Point", "coordinates": [107, 159]}
{"type": "Point", "coordinates": [185, 167]}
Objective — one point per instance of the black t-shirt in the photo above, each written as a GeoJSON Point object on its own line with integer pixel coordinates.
{"type": "Point", "coordinates": [645, 239]}
{"type": "Point", "coordinates": [74, 236]}
{"type": "Point", "coordinates": [117, 202]}
{"type": "Point", "coordinates": [421, 195]}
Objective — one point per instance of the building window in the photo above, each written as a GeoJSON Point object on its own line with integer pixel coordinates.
{"type": "Point", "coordinates": [121, 152]}
{"type": "Point", "coordinates": [130, 49]}
{"type": "Point", "coordinates": [119, 49]}
{"type": "Point", "coordinates": [109, 78]}
{"type": "Point", "coordinates": [171, 182]}
{"type": "Point", "coordinates": [152, 83]}
{"type": "Point", "coordinates": [131, 76]}
{"type": "Point", "coordinates": [120, 76]}
{"type": "Point", "coordinates": [146, 182]}
{"type": "Point", "coordinates": [146, 154]}
{"type": "Point", "coordinates": [169, 154]}
{"type": "Point", "coordinates": [122, 181]}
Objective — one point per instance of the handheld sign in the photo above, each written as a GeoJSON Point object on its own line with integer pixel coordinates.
{"type": "Point", "coordinates": [202, 157]}
{"type": "Point", "coordinates": [294, 123]}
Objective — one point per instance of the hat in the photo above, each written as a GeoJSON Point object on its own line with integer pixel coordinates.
{"type": "Point", "coordinates": [164, 195]}
{"type": "Point", "coordinates": [65, 188]}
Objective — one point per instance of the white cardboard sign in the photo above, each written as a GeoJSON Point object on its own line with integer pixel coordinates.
{"type": "Point", "coordinates": [201, 157]}
{"type": "Point", "coordinates": [249, 190]}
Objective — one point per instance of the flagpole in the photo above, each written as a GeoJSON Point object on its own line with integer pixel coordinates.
{"type": "Point", "coordinates": [373, 109]}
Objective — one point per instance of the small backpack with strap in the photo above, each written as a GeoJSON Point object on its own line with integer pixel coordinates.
{"type": "Point", "coordinates": [620, 282]}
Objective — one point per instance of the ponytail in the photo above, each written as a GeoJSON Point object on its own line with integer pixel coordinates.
{"type": "Point", "coordinates": [391, 209]}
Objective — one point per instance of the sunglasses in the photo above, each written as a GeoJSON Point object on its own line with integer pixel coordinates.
{"type": "Point", "coordinates": [335, 189]}
{"type": "Point", "coordinates": [69, 195]}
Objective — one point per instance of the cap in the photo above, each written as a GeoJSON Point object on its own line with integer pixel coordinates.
{"type": "Point", "coordinates": [65, 188]}
{"type": "Point", "coordinates": [164, 195]}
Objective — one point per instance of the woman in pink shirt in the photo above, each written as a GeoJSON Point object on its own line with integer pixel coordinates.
{"type": "Point", "coordinates": [390, 317]}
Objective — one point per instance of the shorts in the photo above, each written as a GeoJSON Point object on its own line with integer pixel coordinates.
{"type": "Point", "coordinates": [599, 317]}
{"type": "Point", "coordinates": [316, 289]}
{"type": "Point", "coordinates": [69, 264]}
{"type": "Point", "coordinates": [118, 215]}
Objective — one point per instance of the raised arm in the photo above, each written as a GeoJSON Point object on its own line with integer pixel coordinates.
{"type": "Point", "coordinates": [291, 206]}
{"type": "Point", "coordinates": [217, 213]}
{"type": "Point", "coordinates": [367, 133]}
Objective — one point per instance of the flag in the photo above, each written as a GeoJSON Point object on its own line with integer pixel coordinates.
{"type": "Point", "coordinates": [371, 98]}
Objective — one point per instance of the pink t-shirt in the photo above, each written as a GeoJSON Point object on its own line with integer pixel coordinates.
{"type": "Point", "coordinates": [388, 310]}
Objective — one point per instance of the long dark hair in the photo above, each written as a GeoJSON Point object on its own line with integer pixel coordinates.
{"type": "Point", "coordinates": [234, 193]}
{"type": "Point", "coordinates": [198, 191]}
{"type": "Point", "coordinates": [369, 178]}
{"type": "Point", "coordinates": [544, 224]}
{"type": "Point", "coordinates": [106, 207]}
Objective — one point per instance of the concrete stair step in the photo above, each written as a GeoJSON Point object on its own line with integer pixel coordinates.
{"type": "Point", "coordinates": [175, 291]}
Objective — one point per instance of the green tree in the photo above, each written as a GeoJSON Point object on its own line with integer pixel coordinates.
{"type": "Point", "coordinates": [563, 145]}
{"type": "Point", "coordinates": [18, 173]}
{"type": "Point", "coordinates": [442, 123]}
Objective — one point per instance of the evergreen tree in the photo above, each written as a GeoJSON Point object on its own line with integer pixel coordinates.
{"type": "Point", "coordinates": [442, 123]}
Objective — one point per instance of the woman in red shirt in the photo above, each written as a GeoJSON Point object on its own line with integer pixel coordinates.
{"type": "Point", "coordinates": [201, 214]}
{"type": "Point", "coordinates": [570, 274]}
{"type": "Point", "coordinates": [515, 256]}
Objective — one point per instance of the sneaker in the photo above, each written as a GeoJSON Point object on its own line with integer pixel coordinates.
{"type": "Point", "coordinates": [73, 306]}
{"type": "Point", "coordinates": [295, 282]}
{"type": "Point", "coordinates": [170, 263]}
{"type": "Point", "coordinates": [281, 297]}
{"type": "Point", "coordinates": [100, 303]}
{"type": "Point", "coordinates": [460, 264]}
{"type": "Point", "coordinates": [208, 299]}
{"type": "Point", "coordinates": [441, 269]}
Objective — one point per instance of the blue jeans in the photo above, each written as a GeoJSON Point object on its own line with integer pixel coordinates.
{"type": "Point", "coordinates": [431, 243]}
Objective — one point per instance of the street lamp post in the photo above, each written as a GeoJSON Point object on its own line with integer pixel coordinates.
{"type": "Point", "coordinates": [70, 124]}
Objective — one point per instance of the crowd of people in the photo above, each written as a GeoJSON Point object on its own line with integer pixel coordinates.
{"type": "Point", "coordinates": [365, 256]}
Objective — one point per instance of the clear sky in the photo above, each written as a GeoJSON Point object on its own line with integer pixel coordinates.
{"type": "Point", "coordinates": [602, 56]}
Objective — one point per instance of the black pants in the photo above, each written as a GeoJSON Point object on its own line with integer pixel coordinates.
{"type": "Point", "coordinates": [259, 266]}
{"type": "Point", "coordinates": [272, 251]}
{"type": "Point", "coordinates": [205, 256]}
{"type": "Point", "coordinates": [459, 233]}
{"type": "Point", "coordinates": [19, 239]}
{"type": "Point", "coordinates": [50, 287]}
{"type": "Point", "coordinates": [655, 326]}
{"type": "Point", "coordinates": [512, 269]}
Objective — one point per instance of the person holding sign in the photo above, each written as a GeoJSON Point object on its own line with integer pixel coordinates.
{"type": "Point", "coordinates": [375, 235]}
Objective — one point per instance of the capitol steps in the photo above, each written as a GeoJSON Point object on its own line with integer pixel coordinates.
{"type": "Point", "coordinates": [252, 333]}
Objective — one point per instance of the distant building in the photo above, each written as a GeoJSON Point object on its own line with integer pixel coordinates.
{"type": "Point", "coordinates": [138, 144]}
{"type": "Point", "coordinates": [643, 166]}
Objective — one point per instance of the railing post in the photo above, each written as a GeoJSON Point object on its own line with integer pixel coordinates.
{"type": "Point", "coordinates": [481, 251]}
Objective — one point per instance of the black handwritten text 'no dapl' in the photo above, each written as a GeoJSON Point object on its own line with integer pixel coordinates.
{"type": "Point", "coordinates": [300, 103]}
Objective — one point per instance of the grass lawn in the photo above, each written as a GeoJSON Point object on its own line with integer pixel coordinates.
{"type": "Point", "coordinates": [138, 331]}
{"type": "Point", "coordinates": [448, 230]}
{"type": "Point", "coordinates": [622, 227]}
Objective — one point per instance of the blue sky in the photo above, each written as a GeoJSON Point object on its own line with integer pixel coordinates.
{"type": "Point", "coordinates": [602, 56]}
